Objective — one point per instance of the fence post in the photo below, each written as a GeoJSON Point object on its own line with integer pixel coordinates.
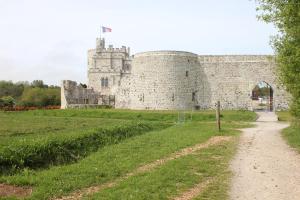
{"type": "Point", "coordinates": [218, 116]}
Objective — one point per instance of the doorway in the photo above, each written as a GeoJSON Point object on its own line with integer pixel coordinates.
{"type": "Point", "coordinates": [262, 97]}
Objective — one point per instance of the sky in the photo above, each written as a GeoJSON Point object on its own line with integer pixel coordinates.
{"type": "Point", "coordinates": [48, 39]}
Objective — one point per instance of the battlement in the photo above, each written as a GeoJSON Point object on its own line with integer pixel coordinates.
{"type": "Point", "coordinates": [100, 48]}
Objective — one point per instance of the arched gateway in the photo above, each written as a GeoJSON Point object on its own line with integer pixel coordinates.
{"type": "Point", "coordinates": [262, 97]}
{"type": "Point", "coordinates": [231, 79]}
{"type": "Point", "coordinates": [165, 80]}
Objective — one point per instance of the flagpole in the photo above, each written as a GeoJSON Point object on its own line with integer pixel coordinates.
{"type": "Point", "coordinates": [100, 31]}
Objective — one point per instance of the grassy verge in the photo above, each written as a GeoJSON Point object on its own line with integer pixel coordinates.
{"type": "Point", "coordinates": [115, 160]}
{"type": "Point", "coordinates": [177, 176]}
{"type": "Point", "coordinates": [292, 133]}
{"type": "Point", "coordinates": [284, 116]}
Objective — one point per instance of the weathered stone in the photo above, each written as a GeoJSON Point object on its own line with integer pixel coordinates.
{"type": "Point", "coordinates": [173, 80]}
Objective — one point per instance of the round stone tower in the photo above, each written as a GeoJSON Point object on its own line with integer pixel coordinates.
{"type": "Point", "coordinates": [164, 80]}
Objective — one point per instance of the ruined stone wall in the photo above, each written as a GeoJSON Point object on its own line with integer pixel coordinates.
{"type": "Point", "coordinates": [231, 80]}
{"type": "Point", "coordinates": [74, 94]}
{"type": "Point", "coordinates": [164, 80]}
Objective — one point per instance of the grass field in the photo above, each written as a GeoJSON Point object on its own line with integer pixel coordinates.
{"type": "Point", "coordinates": [292, 133]}
{"type": "Point", "coordinates": [57, 152]}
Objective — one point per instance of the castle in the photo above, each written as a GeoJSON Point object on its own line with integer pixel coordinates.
{"type": "Point", "coordinates": [172, 80]}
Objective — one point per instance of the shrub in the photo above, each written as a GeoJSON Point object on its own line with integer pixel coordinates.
{"type": "Point", "coordinates": [7, 102]}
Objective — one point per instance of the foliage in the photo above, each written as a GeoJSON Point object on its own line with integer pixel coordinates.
{"type": "Point", "coordinates": [30, 94]}
{"type": "Point", "coordinates": [40, 97]}
{"type": "Point", "coordinates": [8, 88]}
{"type": "Point", "coordinates": [38, 83]}
{"type": "Point", "coordinates": [7, 101]}
{"type": "Point", "coordinates": [284, 14]}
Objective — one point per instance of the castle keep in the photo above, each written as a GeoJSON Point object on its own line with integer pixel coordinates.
{"type": "Point", "coordinates": [164, 80]}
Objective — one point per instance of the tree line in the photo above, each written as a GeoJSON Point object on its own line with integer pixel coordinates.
{"type": "Point", "coordinates": [34, 94]}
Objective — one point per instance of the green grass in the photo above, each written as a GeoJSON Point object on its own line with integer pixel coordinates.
{"type": "Point", "coordinates": [170, 116]}
{"type": "Point", "coordinates": [177, 176]}
{"type": "Point", "coordinates": [292, 133]}
{"type": "Point", "coordinates": [64, 148]}
{"type": "Point", "coordinates": [27, 140]}
{"type": "Point", "coordinates": [115, 160]}
{"type": "Point", "coordinates": [23, 124]}
{"type": "Point", "coordinates": [284, 116]}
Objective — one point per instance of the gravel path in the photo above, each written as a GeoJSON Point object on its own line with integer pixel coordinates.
{"type": "Point", "coordinates": [265, 167]}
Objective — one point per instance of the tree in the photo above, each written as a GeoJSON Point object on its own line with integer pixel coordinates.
{"type": "Point", "coordinates": [40, 97]}
{"type": "Point", "coordinates": [8, 88]}
{"type": "Point", "coordinates": [39, 84]}
{"type": "Point", "coordinates": [285, 15]}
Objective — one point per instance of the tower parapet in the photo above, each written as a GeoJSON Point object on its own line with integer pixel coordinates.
{"type": "Point", "coordinates": [107, 66]}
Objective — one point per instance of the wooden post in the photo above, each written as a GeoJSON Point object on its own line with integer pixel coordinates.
{"type": "Point", "coordinates": [218, 116]}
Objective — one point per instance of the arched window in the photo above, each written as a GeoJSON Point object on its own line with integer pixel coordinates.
{"type": "Point", "coordinates": [104, 82]}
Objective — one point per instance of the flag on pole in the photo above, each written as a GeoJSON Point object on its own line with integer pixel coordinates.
{"type": "Point", "coordinates": [105, 29]}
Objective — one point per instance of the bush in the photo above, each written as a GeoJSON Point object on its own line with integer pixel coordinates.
{"type": "Point", "coordinates": [7, 102]}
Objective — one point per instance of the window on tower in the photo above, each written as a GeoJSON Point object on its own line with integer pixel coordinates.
{"type": "Point", "coordinates": [102, 82]}
{"type": "Point", "coordinates": [186, 73]}
{"type": "Point", "coordinates": [106, 82]}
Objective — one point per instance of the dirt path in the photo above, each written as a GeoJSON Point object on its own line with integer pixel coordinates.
{"type": "Point", "coordinates": [265, 167]}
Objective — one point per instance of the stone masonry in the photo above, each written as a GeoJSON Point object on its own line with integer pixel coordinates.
{"type": "Point", "coordinates": [172, 80]}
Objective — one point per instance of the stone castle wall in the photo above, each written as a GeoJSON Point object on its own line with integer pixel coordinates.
{"type": "Point", "coordinates": [177, 80]}
{"type": "Point", "coordinates": [231, 80]}
{"type": "Point", "coordinates": [164, 80]}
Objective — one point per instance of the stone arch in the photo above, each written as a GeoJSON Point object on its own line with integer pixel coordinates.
{"type": "Point", "coordinates": [262, 96]}
{"type": "Point", "coordinates": [231, 80]}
